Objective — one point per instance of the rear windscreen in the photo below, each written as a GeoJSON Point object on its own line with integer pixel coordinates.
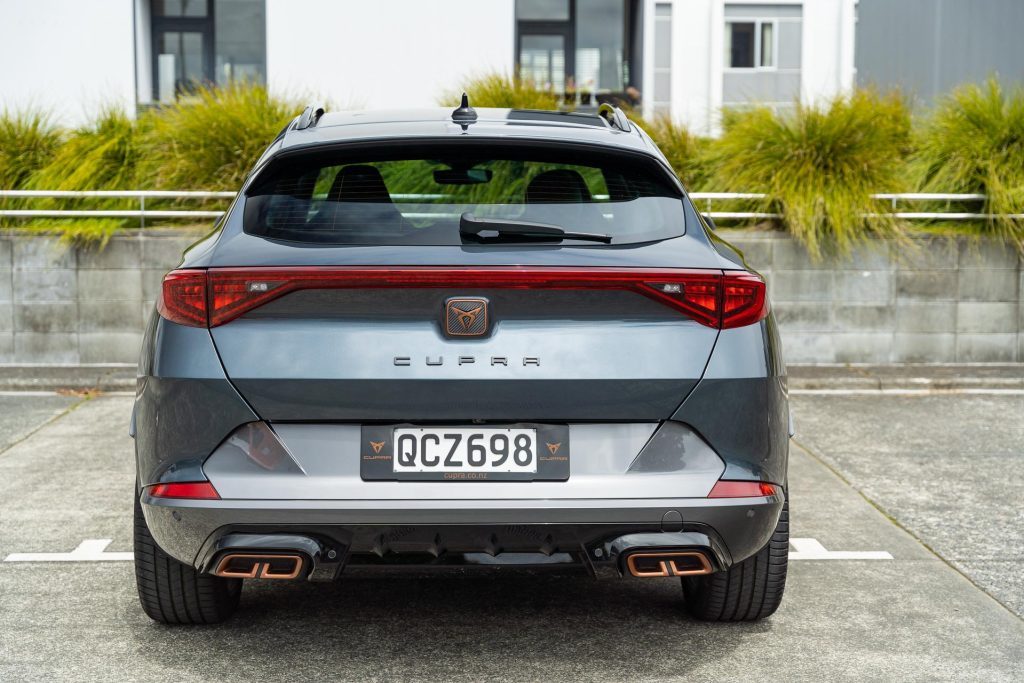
{"type": "Point", "coordinates": [418, 195]}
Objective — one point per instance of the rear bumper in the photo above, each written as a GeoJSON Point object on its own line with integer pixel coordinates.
{"type": "Point", "coordinates": [390, 532]}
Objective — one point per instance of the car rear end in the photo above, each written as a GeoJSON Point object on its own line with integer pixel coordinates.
{"type": "Point", "coordinates": [347, 376]}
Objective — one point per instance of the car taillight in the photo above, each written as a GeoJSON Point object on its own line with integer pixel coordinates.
{"type": "Point", "coordinates": [183, 298]}
{"type": "Point", "coordinates": [744, 300]}
{"type": "Point", "coordinates": [743, 489]}
{"type": "Point", "coordinates": [729, 299]}
{"type": "Point", "coordinates": [715, 298]}
{"type": "Point", "coordinates": [196, 490]}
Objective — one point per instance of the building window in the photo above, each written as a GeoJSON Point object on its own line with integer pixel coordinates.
{"type": "Point", "coordinates": [542, 60]}
{"type": "Point", "coordinates": [662, 100]}
{"type": "Point", "coordinates": [582, 48]}
{"type": "Point", "coordinates": [205, 42]}
{"type": "Point", "coordinates": [750, 44]}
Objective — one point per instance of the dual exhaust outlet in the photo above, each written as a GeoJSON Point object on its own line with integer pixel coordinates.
{"type": "Point", "coordinates": [654, 564]}
{"type": "Point", "coordinates": [282, 566]}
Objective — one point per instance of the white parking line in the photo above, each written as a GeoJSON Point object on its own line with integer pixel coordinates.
{"type": "Point", "coordinates": [31, 393]}
{"type": "Point", "coordinates": [811, 549]}
{"type": "Point", "coordinates": [94, 550]}
{"type": "Point", "coordinates": [89, 550]}
{"type": "Point", "coordinates": [906, 392]}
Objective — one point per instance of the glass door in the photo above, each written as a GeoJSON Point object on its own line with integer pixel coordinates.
{"type": "Point", "coordinates": [582, 48]}
{"type": "Point", "coordinates": [542, 60]}
{"type": "Point", "coordinates": [545, 48]}
{"type": "Point", "coordinates": [183, 47]}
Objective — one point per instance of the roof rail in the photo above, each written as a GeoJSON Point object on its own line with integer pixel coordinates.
{"type": "Point", "coordinates": [615, 117]}
{"type": "Point", "coordinates": [309, 117]}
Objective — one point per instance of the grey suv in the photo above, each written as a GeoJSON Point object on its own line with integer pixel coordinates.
{"type": "Point", "coordinates": [461, 339]}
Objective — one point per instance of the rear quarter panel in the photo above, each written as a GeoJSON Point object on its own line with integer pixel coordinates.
{"type": "Point", "coordinates": [184, 404]}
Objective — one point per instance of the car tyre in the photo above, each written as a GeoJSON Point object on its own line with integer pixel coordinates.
{"type": "Point", "coordinates": [748, 590]}
{"type": "Point", "coordinates": [172, 592]}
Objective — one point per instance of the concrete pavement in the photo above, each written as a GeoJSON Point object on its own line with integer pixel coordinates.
{"type": "Point", "coordinates": [914, 617]}
{"type": "Point", "coordinates": [948, 467]}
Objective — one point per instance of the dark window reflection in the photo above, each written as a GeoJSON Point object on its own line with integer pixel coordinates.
{"type": "Point", "coordinates": [740, 45]}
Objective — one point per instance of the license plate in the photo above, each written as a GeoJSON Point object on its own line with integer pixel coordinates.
{"type": "Point", "coordinates": [464, 450]}
{"type": "Point", "coordinates": [517, 452]}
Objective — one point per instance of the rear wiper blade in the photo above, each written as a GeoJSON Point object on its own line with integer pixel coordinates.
{"type": "Point", "coordinates": [472, 228]}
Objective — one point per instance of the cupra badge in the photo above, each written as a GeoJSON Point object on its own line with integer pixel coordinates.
{"type": "Point", "coordinates": [466, 317]}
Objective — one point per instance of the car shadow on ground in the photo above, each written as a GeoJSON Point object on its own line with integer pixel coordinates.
{"type": "Point", "coordinates": [518, 625]}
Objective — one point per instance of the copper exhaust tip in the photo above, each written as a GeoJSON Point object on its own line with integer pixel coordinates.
{"type": "Point", "coordinates": [654, 564]}
{"type": "Point", "coordinates": [252, 566]}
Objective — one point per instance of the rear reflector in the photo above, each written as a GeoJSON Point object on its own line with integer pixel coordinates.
{"type": "Point", "coordinates": [210, 298]}
{"type": "Point", "coordinates": [199, 490]}
{"type": "Point", "coordinates": [743, 489]}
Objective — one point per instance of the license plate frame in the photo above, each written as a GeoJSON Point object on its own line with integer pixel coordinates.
{"type": "Point", "coordinates": [376, 455]}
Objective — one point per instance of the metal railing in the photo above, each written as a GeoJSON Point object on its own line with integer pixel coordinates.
{"type": "Point", "coordinates": [705, 198]}
{"type": "Point", "coordinates": [142, 213]}
{"type": "Point", "coordinates": [893, 198]}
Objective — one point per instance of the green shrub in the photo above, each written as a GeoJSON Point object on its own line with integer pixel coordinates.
{"type": "Point", "coordinates": [505, 92]}
{"type": "Point", "coordinates": [974, 143]}
{"type": "Point", "coordinates": [28, 141]}
{"type": "Point", "coordinates": [211, 141]}
{"type": "Point", "coordinates": [101, 156]}
{"type": "Point", "coordinates": [819, 165]}
{"type": "Point", "coordinates": [686, 152]}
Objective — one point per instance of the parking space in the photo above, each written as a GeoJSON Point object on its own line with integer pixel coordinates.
{"type": "Point", "coordinates": [948, 467]}
{"type": "Point", "coordinates": [66, 477]}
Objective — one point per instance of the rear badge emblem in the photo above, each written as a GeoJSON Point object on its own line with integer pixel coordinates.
{"type": "Point", "coordinates": [376, 446]}
{"type": "Point", "coordinates": [466, 317]}
{"type": "Point", "coordinates": [553, 447]}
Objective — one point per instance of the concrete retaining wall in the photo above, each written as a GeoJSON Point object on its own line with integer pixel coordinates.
{"type": "Point", "coordinates": [61, 304]}
{"type": "Point", "coordinates": [933, 300]}
{"type": "Point", "coordinates": [940, 300]}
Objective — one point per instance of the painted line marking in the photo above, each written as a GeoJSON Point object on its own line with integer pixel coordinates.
{"type": "Point", "coordinates": [94, 550]}
{"type": "Point", "coordinates": [32, 393]}
{"type": "Point", "coordinates": [89, 550]}
{"type": "Point", "coordinates": [811, 549]}
{"type": "Point", "coordinates": [906, 392]}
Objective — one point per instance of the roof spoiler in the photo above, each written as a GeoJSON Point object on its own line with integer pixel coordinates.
{"type": "Point", "coordinates": [309, 117]}
{"type": "Point", "coordinates": [615, 117]}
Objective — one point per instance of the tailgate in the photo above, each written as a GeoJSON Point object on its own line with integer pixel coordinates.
{"type": "Point", "coordinates": [498, 345]}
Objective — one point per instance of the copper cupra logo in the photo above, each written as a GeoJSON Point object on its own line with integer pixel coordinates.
{"type": "Point", "coordinates": [376, 446]}
{"type": "Point", "coordinates": [553, 447]}
{"type": "Point", "coordinates": [466, 317]}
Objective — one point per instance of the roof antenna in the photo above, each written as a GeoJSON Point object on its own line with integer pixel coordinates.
{"type": "Point", "coordinates": [465, 114]}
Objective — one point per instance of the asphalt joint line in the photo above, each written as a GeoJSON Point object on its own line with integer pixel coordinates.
{"type": "Point", "coordinates": [46, 423]}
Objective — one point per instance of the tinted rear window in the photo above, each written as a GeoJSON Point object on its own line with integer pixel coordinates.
{"type": "Point", "coordinates": [416, 195]}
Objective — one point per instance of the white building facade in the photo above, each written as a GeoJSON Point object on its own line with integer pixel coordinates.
{"type": "Point", "coordinates": [684, 58]}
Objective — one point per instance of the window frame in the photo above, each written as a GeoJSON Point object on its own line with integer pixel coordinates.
{"type": "Point", "coordinates": [204, 26]}
{"type": "Point", "coordinates": [155, 25]}
{"type": "Point", "coordinates": [757, 22]}
{"type": "Point", "coordinates": [632, 45]}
